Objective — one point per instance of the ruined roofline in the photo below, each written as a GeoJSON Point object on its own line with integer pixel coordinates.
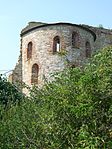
{"type": "Point", "coordinates": [101, 29]}
{"type": "Point", "coordinates": [35, 25]}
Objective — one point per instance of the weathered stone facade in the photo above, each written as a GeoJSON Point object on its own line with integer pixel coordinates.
{"type": "Point", "coordinates": [49, 54]}
{"type": "Point", "coordinates": [17, 72]}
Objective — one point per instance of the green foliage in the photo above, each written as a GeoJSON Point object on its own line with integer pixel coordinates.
{"type": "Point", "coordinates": [72, 112]}
{"type": "Point", "coordinates": [9, 92]}
{"type": "Point", "coordinates": [62, 52]}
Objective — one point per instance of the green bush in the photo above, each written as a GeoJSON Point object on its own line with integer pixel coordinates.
{"type": "Point", "coordinates": [72, 112]}
{"type": "Point", "coordinates": [9, 93]}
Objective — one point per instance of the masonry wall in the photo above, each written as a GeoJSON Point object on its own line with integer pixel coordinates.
{"type": "Point", "coordinates": [16, 76]}
{"type": "Point", "coordinates": [103, 36]}
{"type": "Point", "coordinates": [42, 53]}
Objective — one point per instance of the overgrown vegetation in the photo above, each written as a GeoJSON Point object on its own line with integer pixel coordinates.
{"type": "Point", "coordinates": [73, 112]}
{"type": "Point", "coordinates": [9, 93]}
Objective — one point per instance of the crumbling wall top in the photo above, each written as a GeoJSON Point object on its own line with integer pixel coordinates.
{"type": "Point", "coordinates": [34, 25]}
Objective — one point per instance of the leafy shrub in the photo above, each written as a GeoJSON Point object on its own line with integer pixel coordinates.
{"type": "Point", "coordinates": [9, 92]}
{"type": "Point", "coordinates": [72, 112]}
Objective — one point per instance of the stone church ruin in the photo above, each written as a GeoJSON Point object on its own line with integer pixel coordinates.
{"type": "Point", "coordinates": [48, 48]}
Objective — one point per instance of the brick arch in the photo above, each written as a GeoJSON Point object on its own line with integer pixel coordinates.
{"type": "Point", "coordinates": [75, 39]}
{"type": "Point", "coordinates": [29, 50]}
{"type": "Point", "coordinates": [34, 75]}
{"type": "Point", "coordinates": [56, 44]}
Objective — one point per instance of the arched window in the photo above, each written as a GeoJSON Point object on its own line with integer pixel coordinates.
{"type": "Point", "coordinates": [75, 40]}
{"type": "Point", "coordinates": [88, 49]}
{"type": "Point", "coordinates": [34, 76]}
{"type": "Point", "coordinates": [56, 44]}
{"type": "Point", "coordinates": [29, 50]}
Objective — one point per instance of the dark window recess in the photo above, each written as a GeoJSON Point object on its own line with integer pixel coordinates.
{"type": "Point", "coordinates": [75, 40]}
{"type": "Point", "coordinates": [73, 66]}
{"type": "Point", "coordinates": [35, 71]}
{"type": "Point", "coordinates": [29, 50]}
{"type": "Point", "coordinates": [88, 49]}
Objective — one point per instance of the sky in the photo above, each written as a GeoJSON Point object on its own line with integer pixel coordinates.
{"type": "Point", "coordinates": [15, 15]}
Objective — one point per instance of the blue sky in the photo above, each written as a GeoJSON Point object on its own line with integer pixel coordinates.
{"type": "Point", "coordinates": [15, 14]}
